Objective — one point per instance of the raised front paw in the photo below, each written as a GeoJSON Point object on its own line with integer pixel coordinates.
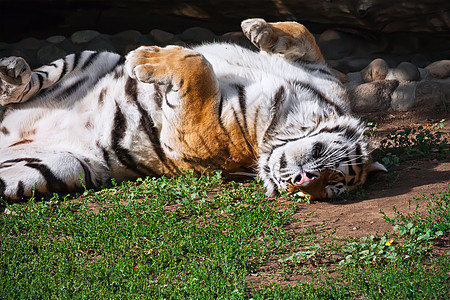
{"type": "Point", "coordinates": [15, 74]}
{"type": "Point", "coordinates": [259, 32]}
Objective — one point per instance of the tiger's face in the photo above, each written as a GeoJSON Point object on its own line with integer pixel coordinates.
{"type": "Point", "coordinates": [323, 165]}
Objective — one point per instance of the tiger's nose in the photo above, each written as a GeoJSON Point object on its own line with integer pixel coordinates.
{"type": "Point", "coordinates": [303, 177]}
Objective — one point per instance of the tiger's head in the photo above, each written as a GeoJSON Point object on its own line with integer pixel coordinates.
{"type": "Point", "coordinates": [323, 162]}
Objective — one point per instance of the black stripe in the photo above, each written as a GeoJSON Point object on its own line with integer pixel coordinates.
{"type": "Point", "coordinates": [118, 72]}
{"type": "Point", "coordinates": [74, 87]}
{"type": "Point", "coordinates": [2, 187]}
{"type": "Point", "coordinates": [255, 125]}
{"type": "Point", "coordinates": [76, 60]}
{"type": "Point", "coordinates": [41, 80]}
{"type": "Point", "coordinates": [242, 103]}
{"type": "Point", "coordinates": [53, 183]}
{"type": "Point", "coordinates": [20, 189]}
{"type": "Point", "coordinates": [106, 157]}
{"type": "Point", "coordinates": [157, 96]}
{"type": "Point", "coordinates": [283, 161]}
{"type": "Point", "coordinates": [275, 106]}
{"type": "Point", "coordinates": [124, 155]}
{"type": "Point", "coordinates": [101, 97]}
{"type": "Point", "coordinates": [8, 163]}
{"type": "Point", "coordinates": [87, 173]}
{"type": "Point", "coordinates": [318, 95]}
{"type": "Point", "coordinates": [90, 60]}
{"type": "Point", "coordinates": [64, 70]}
{"type": "Point", "coordinates": [147, 123]}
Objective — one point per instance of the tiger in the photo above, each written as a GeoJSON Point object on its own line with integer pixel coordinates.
{"type": "Point", "coordinates": [277, 112]}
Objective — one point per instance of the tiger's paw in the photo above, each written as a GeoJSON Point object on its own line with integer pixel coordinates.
{"type": "Point", "coordinates": [290, 39]}
{"type": "Point", "coordinates": [15, 75]}
{"type": "Point", "coordinates": [160, 65]}
{"type": "Point", "coordinates": [259, 32]}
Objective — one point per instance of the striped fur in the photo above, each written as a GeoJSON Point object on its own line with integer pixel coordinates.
{"type": "Point", "coordinates": [89, 117]}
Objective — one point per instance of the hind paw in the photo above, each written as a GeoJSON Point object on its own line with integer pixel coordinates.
{"type": "Point", "coordinates": [290, 39]}
{"type": "Point", "coordinates": [15, 75]}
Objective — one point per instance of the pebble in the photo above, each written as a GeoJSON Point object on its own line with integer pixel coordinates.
{"type": "Point", "coordinates": [161, 37]}
{"type": "Point", "coordinates": [404, 96]}
{"type": "Point", "coordinates": [405, 71]}
{"type": "Point", "coordinates": [439, 69]}
{"type": "Point", "coordinates": [376, 70]}
{"type": "Point", "coordinates": [50, 53]}
{"type": "Point", "coordinates": [84, 36]}
{"type": "Point", "coordinates": [373, 96]}
{"type": "Point", "coordinates": [198, 35]}
{"type": "Point", "coordinates": [56, 39]}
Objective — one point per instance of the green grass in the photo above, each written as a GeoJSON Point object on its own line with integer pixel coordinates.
{"type": "Point", "coordinates": [200, 238]}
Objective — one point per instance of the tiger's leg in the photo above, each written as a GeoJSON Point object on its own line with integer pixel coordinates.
{"type": "Point", "coordinates": [27, 170]}
{"type": "Point", "coordinates": [188, 109]}
{"type": "Point", "coordinates": [18, 83]}
{"type": "Point", "coordinates": [290, 39]}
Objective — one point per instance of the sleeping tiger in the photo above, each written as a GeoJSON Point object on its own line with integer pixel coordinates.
{"type": "Point", "coordinates": [90, 117]}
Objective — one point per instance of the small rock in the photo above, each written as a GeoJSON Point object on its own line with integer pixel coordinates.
{"type": "Point", "coordinates": [439, 69]}
{"type": "Point", "coordinates": [161, 36]}
{"type": "Point", "coordinates": [56, 39]}
{"type": "Point", "coordinates": [376, 70]}
{"type": "Point", "coordinates": [350, 64]}
{"type": "Point", "coordinates": [125, 40]}
{"type": "Point", "coordinates": [405, 71]}
{"type": "Point", "coordinates": [30, 44]}
{"type": "Point", "coordinates": [50, 53]}
{"type": "Point", "coordinates": [404, 96]}
{"type": "Point", "coordinates": [424, 74]}
{"type": "Point", "coordinates": [372, 97]}
{"type": "Point", "coordinates": [101, 43]}
{"type": "Point", "coordinates": [84, 36]}
{"type": "Point", "coordinates": [431, 93]}
{"type": "Point", "coordinates": [198, 35]}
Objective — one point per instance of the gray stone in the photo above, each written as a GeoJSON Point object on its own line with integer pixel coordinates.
{"type": "Point", "coordinates": [126, 37]}
{"type": "Point", "coordinates": [405, 71]}
{"type": "Point", "coordinates": [161, 37]}
{"type": "Point", "coordinates": [126, 40]}
{"type": "Point", "coordinates": [439, 69]}
{"type": "Point", "coordinates": [424, 74]}
{"type": "Point", "coordinates": [50, 53]}
{"type": "Point", "coordinates": [31, 44]}
{"type": "Point", "coordinates": [431, 94]}
{"type": "Point", "coordinates": [84, 36]}
{"type": "Point", "coordinates": [404, 96]}
{"type": "Point", "coordinates": [197, 35]}
{"type": "Point", "coordinates": [101, 43]}
{"type": "Point", "coordinates": [376, 70]}
{"type": "Point", "coordinates": [372, 97]}
{"type": "Point", "coordinates": [56, 39]}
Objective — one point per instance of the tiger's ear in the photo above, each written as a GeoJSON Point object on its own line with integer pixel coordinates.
{"type": "Point", "coordinates": [376, 167]}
